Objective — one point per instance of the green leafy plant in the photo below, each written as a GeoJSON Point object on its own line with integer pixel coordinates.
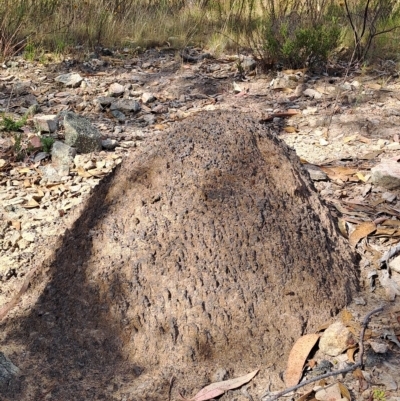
{"type": "Point", "coordinates": [47, 143]}
{"type": "Point", "coordinates": [378, 395]}
{"type": "Point", "coordinates": [302, 45]}
{"type": "Point", "coordinates": [11, 125]}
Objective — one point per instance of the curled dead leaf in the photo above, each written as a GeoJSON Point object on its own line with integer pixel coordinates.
{"type": "Point", "coordinates": [344, 391]}
{"type": "Point", "coordinates": [350, 354]}
{"type": "Point", "coordinates": [362, 230]}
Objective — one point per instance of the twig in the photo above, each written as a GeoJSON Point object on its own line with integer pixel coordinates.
{"type": "Point", "coordinates": [358, 364]}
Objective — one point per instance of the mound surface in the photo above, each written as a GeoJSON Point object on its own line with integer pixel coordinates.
{"type": "Point", "coordinates": [208, 249]}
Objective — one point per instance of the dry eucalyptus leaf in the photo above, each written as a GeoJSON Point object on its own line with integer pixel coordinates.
{"type": "Point", "coordinates": [297, 358]}
{"type": "Point", "coordinates": [215, 389]}
{"type": "Point", "coordinates": [361, 231]}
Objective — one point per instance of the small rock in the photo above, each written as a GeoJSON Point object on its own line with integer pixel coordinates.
{"type": "Point", "coordinates": [159, 109]}
{"type": "Point", "coordinates": [335, 339]}
{"type": "Point", "coordinates": [329, 393]}
{"type": "Point", "coordinates": [46, 123]}
{"type": "Point", "coordinates": [109, 144]}
{"type": "Point", "coordinates": [378, 347]}
{"type": "Point", "coordinates": [393, 146]}
{"type": "Point", "coordinates": [148, 97]}
{"type": "Point", "coordinates": [119, 115]}
{"type": "Point", "coordinates": [316, 173]}
{"type": "Point", "coordinates": [104, 100]}
{"type": "Point", "coordinates": [220, 375]}
{"type": "Point", "coordinates": [312, 93]}
{"type": "Point", "coordinates": [126, 106]}
{"type": "Point", "coordinates": [28, 236]}
{"type": "Point", "coordinates": [149, 118]}
{"type": "Point", "coordinates": [7, 369]}
{"type": "Point", "coordinates": [62, 154]}
{"type": "Point", "coordinates": [387, 174]}
{"type": "Point", "coordinates": [71, 79]}
{"type": "Point", "coordinates": [248, 64]}
{"type": "Point", "coordinates": [81, 134]}
{"type": "Point", "coordinates": [389, 196]}
{"type": "Point", "coordinates": [116, 90]}
{"type": "Point", "coordinates": [323, 142]}
{"type": "Point", "coordinates": [49, 173]}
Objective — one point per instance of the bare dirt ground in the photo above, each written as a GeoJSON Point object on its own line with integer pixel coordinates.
{"type": "Point", "coordinates": [341, 124]}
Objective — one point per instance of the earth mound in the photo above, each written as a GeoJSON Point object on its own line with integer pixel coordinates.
{"type": "Point", "coordinates": [207, 251]}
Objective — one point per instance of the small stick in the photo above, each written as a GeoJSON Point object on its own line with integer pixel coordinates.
{"type": "Point", "coordinates": [336, 372]}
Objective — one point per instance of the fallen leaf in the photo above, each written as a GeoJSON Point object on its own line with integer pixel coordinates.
{"type": "Point", "coordinates": [16, 224]}
{"type": "Point", "coordinates": [82, 172]}
{"type": "Point", "coordinates": [374, 86]}
{"type": "Point", "coordinates": [290, 130]}
{"type": "Point", "coordinates": [297, 358]}
{"type": "Point", "coordinates": [24, 170]}
{"type": "Point", "coordinates": [346, 316]}
{"type": "Point", "coordinates": [344, 391]}
{"type": "Point", "coordinates": [361, 231]}
{"type": "Point", "coordinates": [351, 138]}
{"type": "Point", "coordinates": [215, 389]}
{"type": "Point", "coordinates": [31, 204]}
{"type": "Point", "coordinates": [342, 228]}
{"type": "Point", "coordinates": [350, 354]}
{"type": "Point", "coordinates": [160, 127]}
{"type": "Point", "coordinates": [362, 177]}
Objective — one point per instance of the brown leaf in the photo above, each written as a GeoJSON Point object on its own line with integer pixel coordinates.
{"type": "Point", "coordinates": [342, 228]}
{"type": "Point", "coordinates": [346, 316]}
{"type": "Point", "coordinates": [344, 391]}
{"type": "Point", "coordinates": [362, 231]}
{"type": "Point", "coordinates": [215, 389]}
{"type": "Point", "coordinates": [290, 130]}
{"type": "Point", "coordinates": [350, 354]}
{"type": "Point", "coordinates": [297, 358]}
{"type": "Point", "coordinates": [31, 204]}
{"type": "Point", "coordinates": [16, 224]}
{"type": "Point", "coordinates": [82, 172]}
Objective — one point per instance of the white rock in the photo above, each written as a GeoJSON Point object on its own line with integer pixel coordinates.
{"type": "Point", "coordinates": [148, 97]}
{"type": "Point", "coordinates": [29, 236]}
{"type": "Point", "coordinates": [116, 90]}
{"type": "Point", "coordinates": [378, 347]}
{"type": "Point", "coordinates": [71, 79]}
{"type": "Point", "coordinates": [46, 123]}
{"type": "Point", "coordinates": [335, 339]}
{"type": "Point", "coordinates": [387, 174]}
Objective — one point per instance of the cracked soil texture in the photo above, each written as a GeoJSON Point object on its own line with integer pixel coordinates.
{"type": "Point", "coordinates": [207, 244]}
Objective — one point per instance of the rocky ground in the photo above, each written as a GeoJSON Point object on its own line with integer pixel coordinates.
{"type": "Point", "coordinates": [343, 125]}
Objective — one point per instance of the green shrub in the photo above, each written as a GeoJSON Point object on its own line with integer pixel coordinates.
{"type": "Point", "coordinates": [11, 125]}
{"type": "Point", "coordinates": [300, 46]}
{"type": "Point", "coordinates": [47, 142]}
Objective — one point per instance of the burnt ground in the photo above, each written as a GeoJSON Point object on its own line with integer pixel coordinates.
{"type": "Point", "coordinates": [72, 331]}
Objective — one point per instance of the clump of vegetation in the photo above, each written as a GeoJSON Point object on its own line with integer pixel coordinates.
{"type": "Point", "coordinates": [378, 395]}
{"type": "Point", "coordinates": [47, 143]}
{"type": "Point", "coordinates": [296, 32]}
{"type": "Point", "coordinates": [11, 125]}
{"type": "Point", "coordinates": [301, 46]}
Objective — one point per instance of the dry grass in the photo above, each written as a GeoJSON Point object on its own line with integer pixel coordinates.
{"type": "Point", "coordinates": [60, 25]}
